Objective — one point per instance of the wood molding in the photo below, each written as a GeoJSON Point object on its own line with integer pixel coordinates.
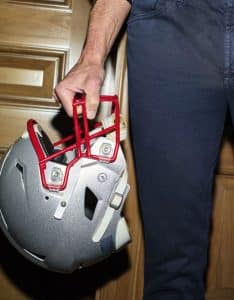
{"type": "Point", "coordinates": [226, 160]}
{"type": "Point", "coordinates": [80, 17]}
{"type": "Point", "coordinates": [55, 4]}
{"type": "Point", "coordinates": [221, 265]}
{"type": "Point", "coordinates": [16, 88]}
{"type": "Point", "coordinates": [224, 294]}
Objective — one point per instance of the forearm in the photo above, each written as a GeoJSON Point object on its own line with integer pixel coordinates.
{"type": "Point", "coordinates": [106, 20]}
{"type": "Point", "coordinates": [88, 73]}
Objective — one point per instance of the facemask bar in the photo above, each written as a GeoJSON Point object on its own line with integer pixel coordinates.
{"type": "Point", "coordinates": [89, 136]}
{"type": "Point", "coordinates": [82, 136]}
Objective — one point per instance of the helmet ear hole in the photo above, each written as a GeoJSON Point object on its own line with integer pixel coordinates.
{"type": "Point", "coordinates": [46, 143]}
{"type": "Point", "coordinates": [48, 147]}
{"type": "Point", "coordinates": [90, 203]}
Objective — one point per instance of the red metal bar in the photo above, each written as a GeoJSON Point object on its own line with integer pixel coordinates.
{"type": "Point", "coordinates": [79, 140]}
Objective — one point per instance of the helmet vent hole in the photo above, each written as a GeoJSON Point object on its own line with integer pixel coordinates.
{"type": "Point", "coordinates": [47, 197]}
{"type": "Point", "coordinates": [20, 168]}
{"type": "Point", "coordinates": [21, 171]}
{"type": "Point", "coordinates": [90, 203]}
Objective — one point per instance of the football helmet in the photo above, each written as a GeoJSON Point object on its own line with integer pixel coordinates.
{"type": "Point", "coordinates": [61, 203]}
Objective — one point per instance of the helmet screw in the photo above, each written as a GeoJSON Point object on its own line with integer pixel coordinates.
{"type": "Point", "coordinates": [63, 203]}
{"type": "Point", "coordinates": [106, 149]}
{"type": "Point", "coordinates": [102, 177]}
{"type": "Point", "coordinates": [56, 174]}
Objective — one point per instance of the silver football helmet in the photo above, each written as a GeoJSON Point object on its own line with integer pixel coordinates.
{"type": "Point", "coordinates": [60, 206]}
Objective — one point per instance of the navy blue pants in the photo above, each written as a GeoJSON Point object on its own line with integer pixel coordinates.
{"type": "Point", "coordinates": [181, 83]}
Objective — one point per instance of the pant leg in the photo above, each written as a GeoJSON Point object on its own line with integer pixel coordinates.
{"type": "Point", "coordinates": [229, 56]}
{"type": "Point", "coordinates": [177, 109]}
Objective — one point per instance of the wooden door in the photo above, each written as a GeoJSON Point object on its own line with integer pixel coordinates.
{"type": "Point", "coordinates": [220, 276]}
{"type": "Point", "coordinates": [39, 41]}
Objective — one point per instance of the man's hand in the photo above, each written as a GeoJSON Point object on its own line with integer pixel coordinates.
{"type": "Point", "coordinates": [83, 78]}
{"type": "Point", "coordinates": [87, 76]}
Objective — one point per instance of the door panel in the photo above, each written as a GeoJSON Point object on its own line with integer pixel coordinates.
{"type": "Point", "coordinates": [43, 26]}
{"type": "Point", "coordinates": [27, 75]}
{"type": "Point", "coordinates": [220, 275]}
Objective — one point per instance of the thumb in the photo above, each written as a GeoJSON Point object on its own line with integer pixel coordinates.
{"type": "Point", "coordinates": [92, 103]}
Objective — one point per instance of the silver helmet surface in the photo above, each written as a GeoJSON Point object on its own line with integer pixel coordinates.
{"type": "Point", "coordinates": [61, 206]}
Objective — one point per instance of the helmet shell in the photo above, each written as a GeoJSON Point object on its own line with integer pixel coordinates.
{"type": "Point", "coordinates": [55, 229]}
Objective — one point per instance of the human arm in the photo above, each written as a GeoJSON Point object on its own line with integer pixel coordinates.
{"type": "Point", "coordinates": [87, 75]}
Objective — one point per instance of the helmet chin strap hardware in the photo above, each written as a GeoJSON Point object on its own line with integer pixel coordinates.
{"type": "Point", "coordinates": [79, 143]}
{"type": "Point", "coordinates": [118, 198]}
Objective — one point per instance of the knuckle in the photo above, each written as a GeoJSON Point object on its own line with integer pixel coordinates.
{"type": "Point", "coordinates": [93, 84]}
